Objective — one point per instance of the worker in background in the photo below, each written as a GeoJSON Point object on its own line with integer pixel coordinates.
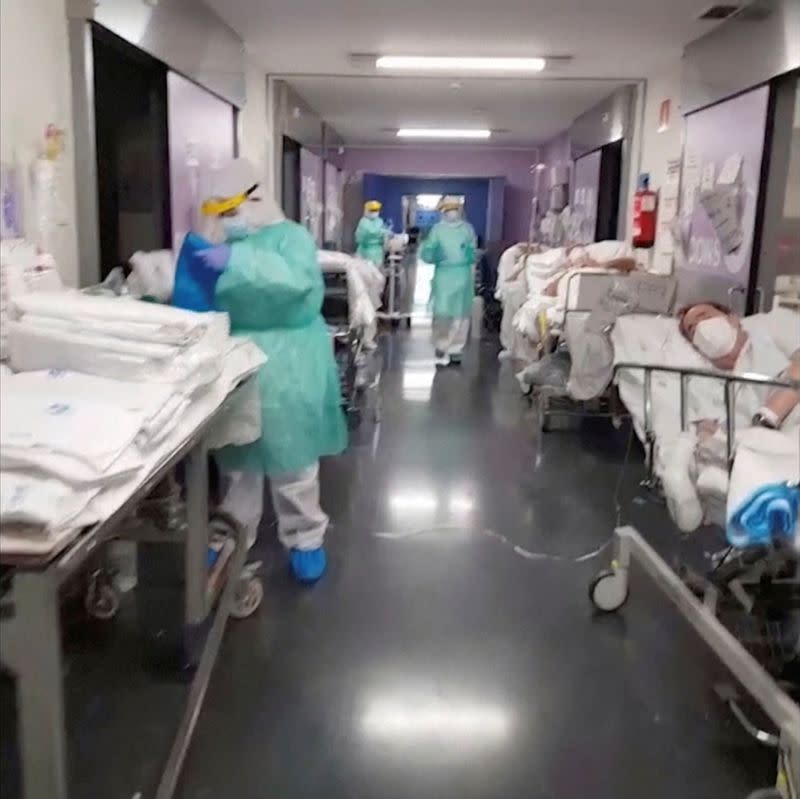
{"type": "Point", "coordinates": [450, 247]}
{"type": "Point", "coordinates": [371, 233]}
{"type": "Point", "coordinates": [270, 283]}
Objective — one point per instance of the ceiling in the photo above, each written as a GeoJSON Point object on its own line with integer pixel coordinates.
{"type": "Point", "coordinates": [613, 40]}
{"type": "Point", "coordinates": [520, 112]}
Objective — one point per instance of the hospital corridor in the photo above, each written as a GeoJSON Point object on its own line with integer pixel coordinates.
{"type": "Point", "coordinates": [399, 401]}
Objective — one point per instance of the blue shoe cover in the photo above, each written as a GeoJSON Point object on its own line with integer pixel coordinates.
{"type": "Point", "coordinates": [308, 565]}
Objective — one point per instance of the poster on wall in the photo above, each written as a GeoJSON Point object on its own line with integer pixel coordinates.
{"type": "Point", "coordinates": [719, 186]}
{"type": "Point", "coordinates": [333, 205]}
{"type": "Point", "coordinates": [585, 185]}
{"type": "Point", "coordinates": [311, 193]}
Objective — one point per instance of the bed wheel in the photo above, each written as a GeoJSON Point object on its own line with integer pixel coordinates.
{"type": "Point", "coordinates": [248, 597]}
{"type": "Point", "coordinates": [609, 590]}
{"type": "Point", "coordinates": [102, 599]}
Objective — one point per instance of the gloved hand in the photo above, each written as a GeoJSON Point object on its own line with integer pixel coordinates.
{"type": "Point", "coordinates": [212, 259]}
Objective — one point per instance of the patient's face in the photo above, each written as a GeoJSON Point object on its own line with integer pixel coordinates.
{"type": "Point", "coordinates": [699, 313]}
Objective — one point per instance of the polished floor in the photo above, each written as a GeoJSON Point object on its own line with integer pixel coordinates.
{"type": "Point", "coordinates": [434, 659]}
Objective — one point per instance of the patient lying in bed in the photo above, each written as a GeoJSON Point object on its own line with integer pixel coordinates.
{"type": "Point", "coordinates": [550, 278]}
{"type": "Point", "coordinates": [692, 465]}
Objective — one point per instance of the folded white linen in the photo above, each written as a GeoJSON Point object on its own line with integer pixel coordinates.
{"type": "Point", "coordinates": [38, 505]}
{"type": "Point", "coordinates": [34, 347]}
{"type": "Point", "coordinates": [92, 432]}
{"type": "Point", "coordinates": [169, 325]}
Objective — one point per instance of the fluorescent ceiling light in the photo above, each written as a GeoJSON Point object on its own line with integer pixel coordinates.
{"type": "Point", "coordinates": [456, 63]}
{"type": "Point", "coordinates": [444, 133]}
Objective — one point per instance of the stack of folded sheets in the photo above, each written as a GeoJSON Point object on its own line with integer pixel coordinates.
{"type": "Point", "coordinates": [120, 338]}
{"type": "Point", "coordinates": [103, 390]}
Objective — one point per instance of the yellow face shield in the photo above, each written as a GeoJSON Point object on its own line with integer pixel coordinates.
{"type": "Point", "coordinates": [372, 205]}
{"type": "Point", "coordinates": [219, 206]}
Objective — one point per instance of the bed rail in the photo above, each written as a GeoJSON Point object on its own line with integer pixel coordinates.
{"type": "Point", "coordinates": [685, 374]}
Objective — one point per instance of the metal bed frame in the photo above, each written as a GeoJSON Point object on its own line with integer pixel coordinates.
{"type": "Point", "coordinates": [609, 589]}
{"type": "Point", "coordinates": [31, 628]}
{"type": "Point", "coordinates": [395, 271]}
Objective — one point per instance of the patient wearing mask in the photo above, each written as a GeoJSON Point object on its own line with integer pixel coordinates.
{"type": "Point", "coordinates": [717, 334]}
{"type": "Point", "coordinates": [693, 466]}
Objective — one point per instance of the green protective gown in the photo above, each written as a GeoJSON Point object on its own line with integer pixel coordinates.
{"type": "Point", "coordinates": [370, 234]}
{"type": "Point", "coordinates": [450, 247]}
{"type": "Point", "coordinates": [272, 289]}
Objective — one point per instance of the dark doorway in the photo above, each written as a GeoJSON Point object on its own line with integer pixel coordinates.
{"type": "Point", "coordinates": [608, 191]}
{"type": "Point", "coordinates": [290, 180]}
{"type": "Point", "coordinates": [130, 100]}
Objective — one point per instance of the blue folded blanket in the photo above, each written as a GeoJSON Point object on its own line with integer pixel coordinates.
{"type": "Point", "coordinates": [769, 513]}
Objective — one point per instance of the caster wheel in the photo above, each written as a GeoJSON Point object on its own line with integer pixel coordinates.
{"type": "Point", "coordinates": [102, 602]}
{"type": "Point", "coordinates": [608, 591]}
{"type": "Point", "coordinates": [247, 599]}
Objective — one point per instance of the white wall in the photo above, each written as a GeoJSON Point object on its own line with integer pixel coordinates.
{"type": "Point", "coordinates": [659, 146]}
{"type": "Point", "coordinates": [34, 91]}
{"type": "Point", "coordinates": [255, 124]}
{"type": "Point", "coordinates": [656, 147]}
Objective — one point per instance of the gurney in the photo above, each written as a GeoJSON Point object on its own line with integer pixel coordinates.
{"type": "Point", "coordinates": [142, 505]}
{"type": "Point", "coordinates": [759, 584]}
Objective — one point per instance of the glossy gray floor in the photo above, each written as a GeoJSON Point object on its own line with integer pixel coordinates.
{"type": "Point", "coordinates": [434, 659]}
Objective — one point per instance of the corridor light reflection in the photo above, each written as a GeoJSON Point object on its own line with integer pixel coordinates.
{"type": "Point", "coordinates": [436, 719]}
{"type": "Point", "coordinates": [418, 380]}
{"type": "Point", "coordinates": [461, 503]}
{"type": "Point", "coordinates": [411, 501]}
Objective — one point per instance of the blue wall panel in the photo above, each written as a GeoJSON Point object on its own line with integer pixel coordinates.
{"type": "Point", "coordinates": [390, 190]}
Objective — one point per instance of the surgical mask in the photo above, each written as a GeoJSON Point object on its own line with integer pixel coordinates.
{"type": "Point", "coordinates": [373, 214]}
{"type": "Point", "coordinates": [452, 215]}
{"type": "Point", "coordinates": [715, 337]}
{"type": "Point", "coordinates": [235, 227]}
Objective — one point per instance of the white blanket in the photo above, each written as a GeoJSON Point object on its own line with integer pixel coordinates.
{"type": "Point", "coordinates": [694, 473]}
{"type": "Point", "coordinates": [364, 287]}
{"type": "Point", "coordinates": [52, 525]}
{"type": "Point", "coordinates": [116, 316]}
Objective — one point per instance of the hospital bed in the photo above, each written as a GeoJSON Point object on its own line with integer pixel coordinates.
{"type": "Point", "coordinates": [352, 291]}
{"type": "Point", "coordinates": [753, 583]}
{"type": "Point", "coordinates": [594, 301]}
{"type": "Point", "coordinates": [30, 621]}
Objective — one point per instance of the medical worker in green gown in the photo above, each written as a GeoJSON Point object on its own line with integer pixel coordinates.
{"type": "Point", "coordinates": [451, 248]}
{"type": "Point", "coordinates": [371, 234]}
{"type": "Point", "coordinates": [271, 285]}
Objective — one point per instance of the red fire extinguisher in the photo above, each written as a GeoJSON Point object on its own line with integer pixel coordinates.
{"type": "Point", "coordinates": [644, 214]}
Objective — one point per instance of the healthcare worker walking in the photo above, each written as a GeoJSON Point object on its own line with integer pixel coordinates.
{"type": "Point", "coordinates": [371, 233]}
{"type": "Point", "coordinates": [271, 285]}
{"type": "Point", "coordinates": [450, 247]}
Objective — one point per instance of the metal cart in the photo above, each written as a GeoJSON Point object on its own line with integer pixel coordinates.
{"type": "Point", "coordinates": [609, 589]}
{"type": "Point", "coordinates": [31, 629]}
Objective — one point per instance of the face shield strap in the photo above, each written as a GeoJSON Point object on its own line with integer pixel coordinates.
{"type": "Point", "coordinates": [224, 205]}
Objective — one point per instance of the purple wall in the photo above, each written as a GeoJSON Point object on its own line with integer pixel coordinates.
{"type": "Point", "coordinates": [555, 152]}
{"type": "Point", "coordinates": [200, 138]}
{"type": "Point", "coordinates": [585, 187]}
{"type": "Point", "coordinates": [733, 128]}
{"type": "Point", "coordinates": [514, 165]}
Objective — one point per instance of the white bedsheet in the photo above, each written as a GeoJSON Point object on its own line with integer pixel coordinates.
{"type": "Point", "coordinates": [364, 286]}
{"type": "Point", "coordinates": [692, 473]}
{"type": "Point", "coordinates": [241, 359]}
